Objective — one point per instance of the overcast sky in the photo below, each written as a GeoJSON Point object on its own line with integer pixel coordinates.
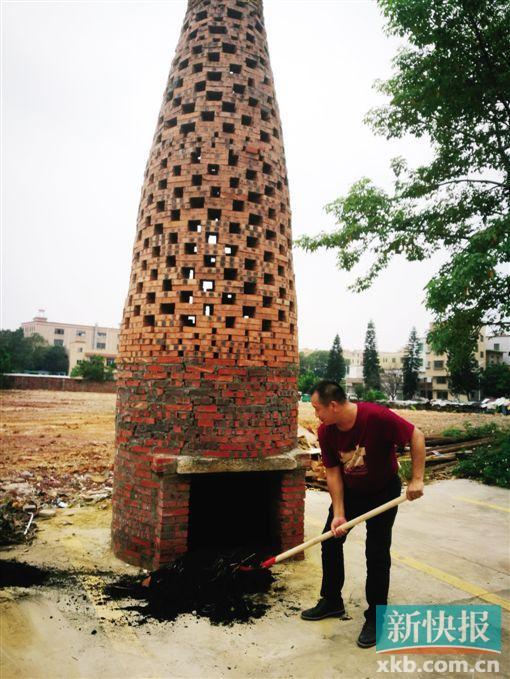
{"type": "Point", "coordinates": [82, 87]}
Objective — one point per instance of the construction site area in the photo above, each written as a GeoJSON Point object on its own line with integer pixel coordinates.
{"type": "Point", "coordinates": [64, 611]}
{"type": "Point", "coordinates": [170, 506]}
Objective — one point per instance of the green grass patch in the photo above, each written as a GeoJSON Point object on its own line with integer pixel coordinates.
{"type": "Point", "coordinates": [405, 471]}
{"type": "Point", "coordinates": [489, 464]}
{"type": "Point", "coordinates": [470, 432]}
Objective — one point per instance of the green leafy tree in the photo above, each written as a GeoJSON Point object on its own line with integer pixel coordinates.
{"type": "Point", "coordinates": [335, 369]}
{"type": "Point", "coordinates": [316, 362]}
{"type": "Point", "coordinates": [22, 353]}
{"type": "Point", "coordinates": [374, 395]}
{"type": "Point", "coordinates": [306, 381]}
{"type": "Point", "coordinates": [93, 370]}
{"type": "Point", "coordinates": [5, 361]}
{"type": "Point", "coordinates": [450, 86]}
{"type": "Point", "coordinates": [371, 365]}
{"type": "Point", "coordinates": [55, 360]}
{"type": "Point", "coordinates": [463, 373]}
{"type": "Point", "coordinates": [359, 390]}
{"type": "Point", "coordinates": [495, 380]}
{"type": "Point", "coordinates": [463, 370]}
{"type": "Point", "coordinates": [411, 364]}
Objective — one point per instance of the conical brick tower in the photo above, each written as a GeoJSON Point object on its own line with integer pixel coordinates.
{"type": "Point", "coordinates": [207, 402]}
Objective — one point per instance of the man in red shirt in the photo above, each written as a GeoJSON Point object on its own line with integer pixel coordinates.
{"type": "Point", "coordinates": [358, 442]}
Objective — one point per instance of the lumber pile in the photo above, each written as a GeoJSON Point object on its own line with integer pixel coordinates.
{"type": "Point", "coordinates": [438, 457]}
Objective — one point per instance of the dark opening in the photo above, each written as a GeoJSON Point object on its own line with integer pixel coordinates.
{"type": "Point", "coordinates": [242, 507]}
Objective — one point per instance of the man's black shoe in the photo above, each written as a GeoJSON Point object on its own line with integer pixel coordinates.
{"type": "Point", "coordinates": [366, 637]}
{"type": "Point", "coordinates": [324, 609]}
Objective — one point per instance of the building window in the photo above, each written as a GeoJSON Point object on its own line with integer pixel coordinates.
{"type": "Point", "coordinates": [80, 350]}
{"type": "Point", "coordinates": [438, 365]}
{"type": "Point", "coordinates": [59, 331]}
{"type": "Point", "coordinates": [80, 333]}
{"type": "Point", "coordinates": [496, 346]}
{"type": "Point", "coordinates": [441, 380]}
{"type": "Point", "coordinates": [442, 395]}
{"type": "Point", "coordinates": [100, 345]}
{"type": "Point", "coordinates": [58, 343]}
{"type": "Point", "coordinates": [481, 354]}
{"type": "Point", "coordinates": [101, 334]}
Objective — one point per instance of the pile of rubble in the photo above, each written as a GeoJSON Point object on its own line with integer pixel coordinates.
{"type": "Point", "coordinates": [32, 496]}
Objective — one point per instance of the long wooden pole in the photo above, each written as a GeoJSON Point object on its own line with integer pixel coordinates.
{"type": "Point", "coordinates": [329, 534]}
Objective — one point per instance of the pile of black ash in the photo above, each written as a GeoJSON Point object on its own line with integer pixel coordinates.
{"type": "Point", "coordinates": [206, 584]}
{"type": "Point", "coordinates": [19, 574]}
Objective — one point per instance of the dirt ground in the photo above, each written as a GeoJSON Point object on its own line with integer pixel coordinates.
{"type": "Point", "coordinates": [431, 423]}
{"type": "Point", "coordinates": [58, 447]}
{"type": "Point", "coordinates": [62, 444]}
{"type": "Point", "coordinates": [47, 435]}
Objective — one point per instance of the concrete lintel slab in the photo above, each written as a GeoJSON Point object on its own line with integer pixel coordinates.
{"type": "Point", "coordinates": [188, 464]}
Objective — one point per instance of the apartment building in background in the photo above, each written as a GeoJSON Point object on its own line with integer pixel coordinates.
{"type": "Point", "coordinates": [434, 383]}
{"type": "Point", "coordinates": [434, 380]}
{"type": "Point", "coordinates": [498, 349]}
{"type": "Point", "coordinates": [81, 341]}
{"type": "Point", "coordinates": [388, 360]}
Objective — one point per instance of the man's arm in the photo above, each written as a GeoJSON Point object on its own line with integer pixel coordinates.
{"type": "Point", "coordinates": [336, 490]}
{"type": "Point", "coordinates": [415, 485]}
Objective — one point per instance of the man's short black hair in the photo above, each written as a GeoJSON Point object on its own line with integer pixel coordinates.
{"type": "Point", "coordinates": [328, 391]}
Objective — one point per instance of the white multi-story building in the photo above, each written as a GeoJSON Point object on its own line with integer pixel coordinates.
{"type": "Point", "coordinates": [490, 350]}
{"type": "Point", "coordinates": [81, 341]}
{"type": "Point", "coordinates": [498, 349]}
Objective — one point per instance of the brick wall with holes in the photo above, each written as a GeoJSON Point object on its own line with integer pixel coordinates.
{"type": "Point", "coordinates": [208, 358]}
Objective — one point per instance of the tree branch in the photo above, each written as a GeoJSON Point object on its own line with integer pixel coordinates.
{"type": "Point", "coordinates": [471, 181]}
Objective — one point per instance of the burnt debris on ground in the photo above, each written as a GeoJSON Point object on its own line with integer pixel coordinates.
{"type": "Point", "coordinates": [19, 574]}
{"type": "Point", "coordinates": [204, 583]}
{"type": "Point", "coordinates": [16, 523]}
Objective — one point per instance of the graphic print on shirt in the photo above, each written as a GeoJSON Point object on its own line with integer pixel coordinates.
{"type": "Point", "coordinates": [354, 461]}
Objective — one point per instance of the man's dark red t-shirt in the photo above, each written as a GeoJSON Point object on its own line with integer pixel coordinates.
{"type": "Point", "coordinates": [366, 453]}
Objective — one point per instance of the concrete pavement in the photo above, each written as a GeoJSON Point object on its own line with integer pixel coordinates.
{"type": "Point", "coordinates": [451, 546]}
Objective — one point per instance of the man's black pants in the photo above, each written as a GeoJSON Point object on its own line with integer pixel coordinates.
{"type": "Point", "coordinates": [377, 548]}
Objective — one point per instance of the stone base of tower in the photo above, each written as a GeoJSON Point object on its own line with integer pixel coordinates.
{"type": "Point", "coordinates": [165, 506]}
